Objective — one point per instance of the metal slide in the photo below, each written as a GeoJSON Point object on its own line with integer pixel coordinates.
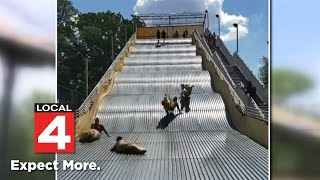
{"type": "Point", "coordinates": [199, 144]}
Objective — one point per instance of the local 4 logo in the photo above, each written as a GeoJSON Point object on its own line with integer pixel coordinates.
{"type": "Point", "coordinates": [53, 128]}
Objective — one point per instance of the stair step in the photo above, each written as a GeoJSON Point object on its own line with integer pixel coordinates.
{"type": "Point", "coordinates": [264, 107]}
{"type": "Point", "coordinates": [228, 67]}
{"type": "Point", "coordinates": [235, 77]}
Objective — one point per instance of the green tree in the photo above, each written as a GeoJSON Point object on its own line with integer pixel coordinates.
{"type": "Point", "coordinates": [87, 36]}
{"type": "Point", "coordinates": [65, 11]}
{"type": "Point", "coordinates": [67, 55]}
{"type": "Point", "coordinates": [288, 82]}
{"type": "Point", "coordinates": [263, 71]}
{"type": "Point", "coordinates": [21, 138]}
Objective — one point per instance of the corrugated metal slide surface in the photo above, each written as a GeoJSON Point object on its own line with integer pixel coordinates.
{"type": "Point", "coordinates": [199, 144]}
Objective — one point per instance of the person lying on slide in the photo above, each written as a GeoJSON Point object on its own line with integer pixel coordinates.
{"type": "Point", "coordinates": [122, 147]}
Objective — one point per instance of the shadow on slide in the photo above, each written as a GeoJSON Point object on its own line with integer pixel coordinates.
{"type": "Point", "coordinates": [166, 120]}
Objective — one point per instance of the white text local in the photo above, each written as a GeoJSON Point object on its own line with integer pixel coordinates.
{"type": "Point", "coordinates": [52, 108]}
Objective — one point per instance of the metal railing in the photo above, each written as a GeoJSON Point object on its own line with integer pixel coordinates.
{"type": "Point", "coordinates": [225, 51]}
{"type": "Point", "coordinates": [246, 66]}
{"type": "Point", "coordinates": [252, 111]}
{"type": "Point", "coordinates": [234, 95]}
{"type": "Point", "coordinates": [84, 108]}
{"type": "Point", "coordinates": [236, 60]}
{"type": "Point", "coordinates": [256, 113]}
{"type": "Point", "coordinates": [257, 108]}
{"type": "Point", "coordinates": [219, 61]}
{"type": "Point", "coordinates": [248, 74]}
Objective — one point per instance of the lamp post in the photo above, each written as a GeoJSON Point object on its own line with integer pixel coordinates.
{"type": "Point", "coordinates": [132, 21]}
{"type": "Point", "coordinates": [236, 26]}
{"type": "Point", "coordinates": [87, 84]}
{"type": "Point", "coordinates": [125, 29]}
{"type": "Point", "coordinates": [86, 61]}
{"type": "Point", "coordinates": [207, 13]}
{"type": "Point", "coordinates": [112, 51]}
{"type": "Point", "coordinates": [217, 16]}
{"type": "Point", "coordinates": [134, 18]}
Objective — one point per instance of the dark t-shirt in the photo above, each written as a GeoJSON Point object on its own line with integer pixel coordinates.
{"type": "Point", "coordinates": [253, 93]}
{"type": "Point", "coordinates": [163, 34]}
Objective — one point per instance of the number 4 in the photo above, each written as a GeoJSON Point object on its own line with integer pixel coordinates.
{"type": "Point", "coordinates": [61, 139]}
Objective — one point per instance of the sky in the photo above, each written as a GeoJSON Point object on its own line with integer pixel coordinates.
{"type": "Point", "coordinates": [295, 43]}
{"type": "Point", "coordinates": [38, 19]}
{"type": "Point", "coordinates": [35, 16]}
{"type": "Point", "coordinates": [252, 17]}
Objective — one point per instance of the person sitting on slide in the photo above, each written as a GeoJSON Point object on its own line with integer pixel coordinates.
{"type": "Point", "coordinates": [92, 134]}
{"type": "Point", "coordinates": [99, 127]}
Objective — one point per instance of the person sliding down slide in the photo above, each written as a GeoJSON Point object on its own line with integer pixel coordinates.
{"type": "Point", "coordinates": [169, 104]}
{"type": "Point", "coordinates": [93, 134]}
{"type": "Point", "coordinates": [123, 147]}
{"type": "Point", "coordinates": [89, 136]}
{"type": "Point", "coordinates": [186, 90]}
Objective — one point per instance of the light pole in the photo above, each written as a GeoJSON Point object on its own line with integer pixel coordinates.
{"type": "Point", "coordinates": [134, 18]}
{"type": "Point", "coordinates": [112, 51]}
{"type": "Point", "coordinates": [236, 26]}
{"type": "Point", "coordinates": [132, 21]}
{"type": "Point", "coordinates": [86, 61]}
{"type": "Point", "coordinates": [207, 18]}
{"type": "Point", "coordinates": [125, 30]}
{"type": "Point", "coordinates": [217, 16]}
{"type": "Point", "coordinates": [87, 84]}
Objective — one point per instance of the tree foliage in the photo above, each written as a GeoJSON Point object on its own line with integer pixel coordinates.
{"type": "Point", "coordinates": [263, 71]}
{"type": "Point", "coordinates": [86, 36]}
{"type": "Point", "coordinates": [288, 82]}
{"type": "Point", "coordinates": [21, 137]}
